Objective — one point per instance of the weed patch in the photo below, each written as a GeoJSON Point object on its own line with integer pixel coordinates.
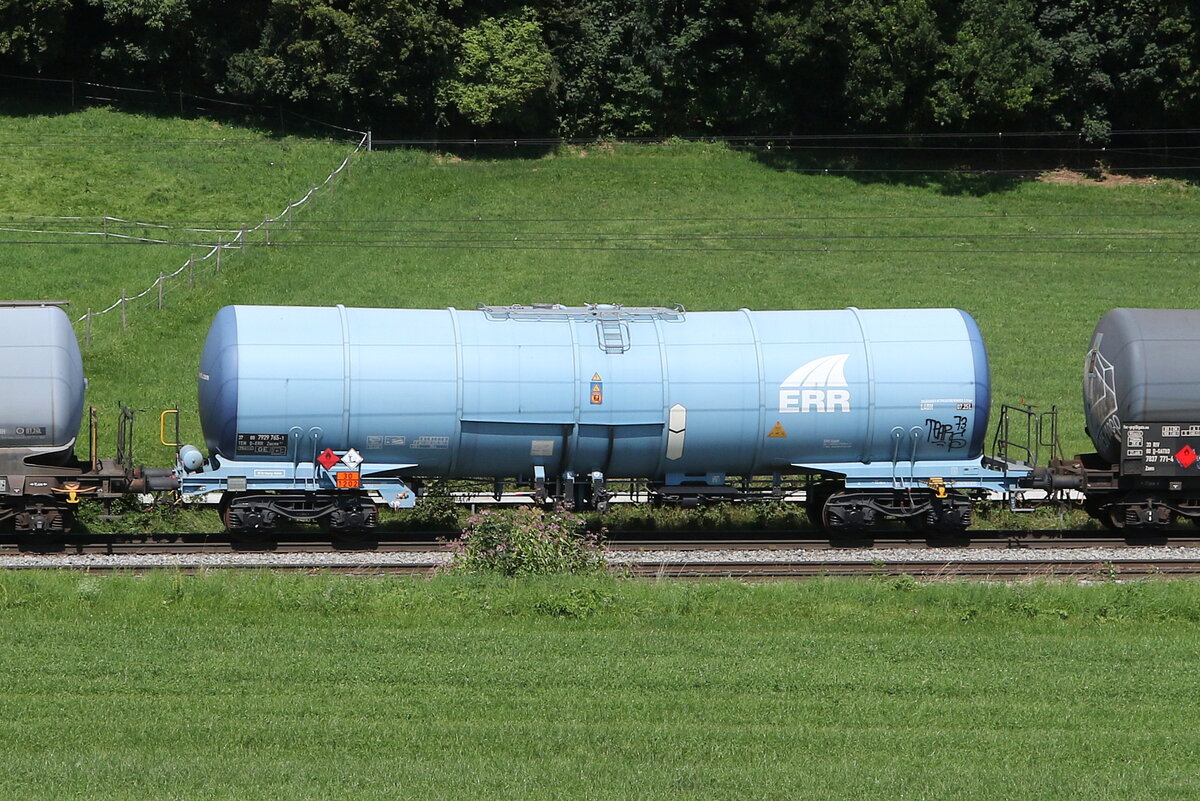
{"type": "Point", "coordinates": [526, 542]}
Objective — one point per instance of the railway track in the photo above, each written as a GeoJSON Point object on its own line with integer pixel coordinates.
{"type": "Point", "coordinates": [416, 542]}
{"type": "Point", "coordinates": [929, 570]}
{"type": "Point", "coordinates": [989, 569]}
{"type": "Point", "coordinates": [1007, 555]}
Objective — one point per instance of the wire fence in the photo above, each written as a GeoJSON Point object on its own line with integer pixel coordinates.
{"type": "Point", "coordinates": [71, 93]}
{"type": "Point", "coordinates": [239, 239]}
{"type": "Point", "coordinates": [37, 92]}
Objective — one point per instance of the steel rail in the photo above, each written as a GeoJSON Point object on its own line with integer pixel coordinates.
{"type": "Point", "coordinates": [715, 540]}
{"type": "Point", "coordinates": [985, 569]}
{"type": "Point", "coordinates": [1077, 570]}
{"type": "Point", "coordinates": [799, 540]}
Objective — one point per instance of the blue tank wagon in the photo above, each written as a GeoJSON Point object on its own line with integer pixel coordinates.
{"type": "Point", "coordinates": [317, 413]}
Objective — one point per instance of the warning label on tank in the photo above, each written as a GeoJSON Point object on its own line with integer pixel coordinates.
{"type": "Point", "coordinates": [777, 432]}
{"type": "Point", "coordinates": [1160, 449]}
{"type": "Point", "coordinates": [261, 445]}
{"type": "Point", "coordinates": [430, 443]}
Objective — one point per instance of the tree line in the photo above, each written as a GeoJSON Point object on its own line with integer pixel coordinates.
{"type": "Point", "coordinates": [643, 67]}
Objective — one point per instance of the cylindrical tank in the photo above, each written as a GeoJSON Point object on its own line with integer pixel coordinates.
{"type": "Point", "coordinates": [637, 393]}
{"type": "Point", "coordinates": [41, 380]}
{"type": "Point", "coordinates": [1143, 366]}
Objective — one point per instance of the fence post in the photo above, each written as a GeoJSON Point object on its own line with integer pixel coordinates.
{"type": "Point", "coordinates": [220, 247]}
{"type": "Point", "coordinates": [244, 242]}
{"type": "Point", "coordinates": [368, 141]}
{"type": "Point", "coordinates": [160, 290]}
{"type": "Point", "coordinates": [191, 275]}
{"type": "Point", "coordinates": [87, 337]}
{"type": "Point", "coordinates": [267, 230]}
{"type": "Point", "coordinates": [124, 321]}
{"type": "Point", "coordinates": [105, 218]}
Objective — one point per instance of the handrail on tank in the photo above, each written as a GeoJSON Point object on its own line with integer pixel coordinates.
{"type": "Point", "coordinates": [588, 311]}
{"type": "Point", "coordinates": [1041, 431]}
{"type": "Point", "coordinates": [162, 428]}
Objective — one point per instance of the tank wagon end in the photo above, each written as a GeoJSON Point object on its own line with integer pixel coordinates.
{"type": "Point", "coordinates": [1141, 394]}
{"type": "Point", "coordinates": [41, 405]}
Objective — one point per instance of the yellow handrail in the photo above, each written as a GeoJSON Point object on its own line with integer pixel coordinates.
{"type": "Point", "coordinates": [162, 427]}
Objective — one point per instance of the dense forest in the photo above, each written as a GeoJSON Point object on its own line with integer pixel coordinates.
{"type": "Point", "coordinates": [643, 67]}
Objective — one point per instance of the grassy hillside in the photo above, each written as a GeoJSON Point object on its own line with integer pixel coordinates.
{"type": "Point", "coordinates": [61, 175]}
{"type": "Point", "coordinates": [1036, 262]}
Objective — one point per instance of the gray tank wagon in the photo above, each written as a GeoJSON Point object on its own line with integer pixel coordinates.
{"type": "Point", "coordinates": [1143, 366]}
{"type": "Point", "coordinates": [41, 404]}
{"type": "Point", "coordinates": [42, 388]}
{"type": "Point", "coordinates": [1141, 397]}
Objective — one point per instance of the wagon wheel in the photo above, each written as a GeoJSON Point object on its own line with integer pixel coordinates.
{"type": "Point", "coordinates": [818, 495]}
{"type": "Point", "coordinates": [856, 516]}
{"type": "Point", "coordinates": [1113, 518]}
{"type": "Point", "coordinates": [1107, 516]}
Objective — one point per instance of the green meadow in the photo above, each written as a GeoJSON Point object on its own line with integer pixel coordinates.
{"type": "Point", "coordinates": [296, 687]}
{"type": "Point", "coordinates": [1036, 262]}
{"type": "Point", "coordinates": [263, 685]}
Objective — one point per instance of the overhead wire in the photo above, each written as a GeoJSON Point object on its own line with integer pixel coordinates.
{"type": "Point", "coordinates": [302, 224]}
{"type": "Point", "coordinates": [571, 246]}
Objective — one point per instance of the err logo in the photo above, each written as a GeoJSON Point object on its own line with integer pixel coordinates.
{"type": "Point", "coordinates": [811, 388]}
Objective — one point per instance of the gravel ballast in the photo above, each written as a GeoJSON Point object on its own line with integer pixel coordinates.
{"type": "Point", "coordinates": [370, 559]}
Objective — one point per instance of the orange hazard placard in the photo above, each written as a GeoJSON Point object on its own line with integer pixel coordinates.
{"type": "Point", "coordinates": [348, 479]}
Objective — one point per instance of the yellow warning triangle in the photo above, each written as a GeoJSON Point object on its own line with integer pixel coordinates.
{"type": "Point", "coordinates": [595, 376]}
{"type": "Point", "coordinates": [777, 432]}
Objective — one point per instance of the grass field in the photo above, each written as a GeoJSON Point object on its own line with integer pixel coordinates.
{"type": "Point", "coordinates": [64, 174]}
{"type": "Point", "coordinates": [271, 686]}
{"type": "Point", "coordinates": [1036, 262]}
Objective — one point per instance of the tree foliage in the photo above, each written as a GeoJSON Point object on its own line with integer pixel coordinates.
{"type": "Point", "coordinates": [353, 57]}
{"type": "Point", "coordinates": [502, 70]}
{"type": "Point", "coordinates": [644, 67]}
{"type": "Point", "coordinates": [30, 30]}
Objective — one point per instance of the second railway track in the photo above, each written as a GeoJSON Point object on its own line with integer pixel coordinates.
{"type": "Point", "coordinates": [993, 555]}
{"type": "Point", "coordinates": [703, 541]}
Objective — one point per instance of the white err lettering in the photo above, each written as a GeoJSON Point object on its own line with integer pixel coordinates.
{"type": "Point", "coordinates": [837, 400]}
{"type": "Point", "coordinates": [814, 400]}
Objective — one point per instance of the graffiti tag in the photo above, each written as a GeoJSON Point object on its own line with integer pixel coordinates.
{"type": "Point", "coordinates": [947, 435]}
